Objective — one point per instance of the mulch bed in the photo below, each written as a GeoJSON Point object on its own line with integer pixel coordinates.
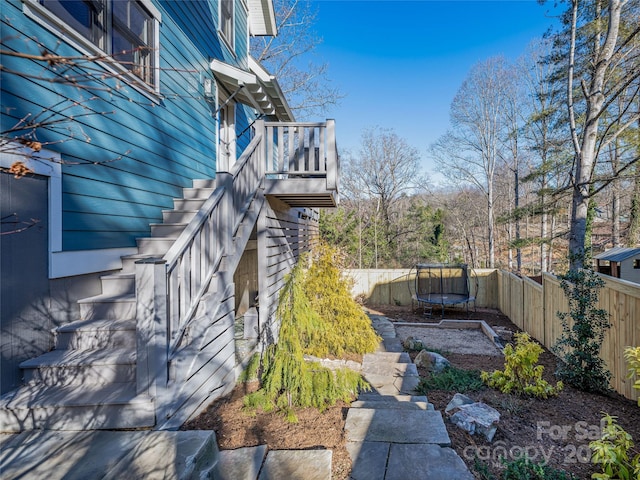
{"type": "Point", "coordinates": [556, 429]}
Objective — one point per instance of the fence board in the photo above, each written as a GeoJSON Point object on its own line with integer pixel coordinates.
{"type": "Point", "coordinates": [531, 306]}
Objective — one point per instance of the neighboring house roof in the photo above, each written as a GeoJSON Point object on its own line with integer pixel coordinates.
{"type": "Point", "coordinates": [262, 18]}
{"type": "Point", "coordinates": [256, 88]}
{"type": "Point", "coordinates": [618, 254]}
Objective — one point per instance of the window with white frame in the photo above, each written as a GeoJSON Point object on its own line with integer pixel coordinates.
{"type": "Point", "coordinates": [124, 29]}
{"type": "Point", "coordinates": [226, 21]}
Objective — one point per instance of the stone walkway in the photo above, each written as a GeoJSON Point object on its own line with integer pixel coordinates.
{"type": "Point", "coordinates": [392, 435]}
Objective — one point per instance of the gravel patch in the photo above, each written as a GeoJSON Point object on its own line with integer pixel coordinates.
{"type": "Point", "coordinates": [452, 340]}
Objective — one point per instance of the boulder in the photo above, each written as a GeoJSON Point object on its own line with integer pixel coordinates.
{"type": "Point", "coordinates": [432, 361]}
{"type": "Point", "coordinates": [412, 343]}
{"type": "Point", "coordinates": [458, 400]}
{"type": "Point", "coordinates": [474, 417]}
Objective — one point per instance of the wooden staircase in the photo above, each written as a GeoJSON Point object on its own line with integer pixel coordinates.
{"type": "Point", "coordinates": [89, 380]}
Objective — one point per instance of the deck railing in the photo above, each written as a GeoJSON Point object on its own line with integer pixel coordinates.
{"type": "Point", "coordinates": [302, 150]}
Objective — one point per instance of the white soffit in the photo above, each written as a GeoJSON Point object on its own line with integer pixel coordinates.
{"type": "Point", "coordinates": [262, 18]}
{"type": "Point", "coordinates": [272, 87]}
{"type": "Point", "coordinates": [244, 84]}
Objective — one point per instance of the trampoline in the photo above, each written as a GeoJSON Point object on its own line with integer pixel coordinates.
{"type": "Point", "coordinates": [441, 284]}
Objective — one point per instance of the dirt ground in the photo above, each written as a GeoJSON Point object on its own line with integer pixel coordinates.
{"type": "Point", "coordinates": [556, 430]}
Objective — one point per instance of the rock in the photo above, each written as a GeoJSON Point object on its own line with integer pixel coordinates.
{"type": "Point", "coordinates": [412, 343]}
{"type": "Point", "coordinates": [334, 365]}
{"type": "Point", "coordinates": [505, 335]}
{"type": "Point", "coordinates": [432, 361]}
{"type": "Point", "coordinates": [458, 400]}
{"type": "Point", "coordinates": [476, 418]}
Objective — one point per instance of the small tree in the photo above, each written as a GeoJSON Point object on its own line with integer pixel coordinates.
{"type": "Point", "coordinates": [583, 329]}
{"type": "Point", "coordinates": [318, 317]}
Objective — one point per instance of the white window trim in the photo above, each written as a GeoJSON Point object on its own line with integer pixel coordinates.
{"type": "Point", "coordinates": [44, 17]}
{"type": "Point", "coordinates": [61, 264]}
{"type": "Point", "coordinates": [229, 42]}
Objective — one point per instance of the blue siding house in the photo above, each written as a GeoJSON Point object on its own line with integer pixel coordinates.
{"type": "Point", "coordinates": [155, 189]}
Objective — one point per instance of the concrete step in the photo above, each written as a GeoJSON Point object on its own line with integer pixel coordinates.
{"type": "Point", "coordinates": [390, 461]}
{"type": "Point", "coordinates": [297, 464]}
{"type": "Point", "coordinates": [81, 367]}
{"type": "Point", "coordinates": [374, 396]}
{"type": "Point", "coordinates": [179, 455]}
{"type": "Point", "coordinates": [390, 345]}
{"type": "Point", "coordinates": [178, 216]}
{"type": "Point", "coordinates": [90, 407]}
{"type": "Point", "coordinates": [239, 464]}
{"type": "Point", "coordinates": [392, 357]}
{"type": "Point", "coordinates": [197, 192]}
{"type": "Point", "coordinates": [118, 283]}
{"type": "Point", "coordinates": [383, 368]}
{"type": "Point", "coordinates": [393, 385]}
{"type": "Point", "coordinates": [167, 229]}
{"type": "Point", "coordinates": [155, 245]}
{"type": "Point", "coordinates": [96, 334]}
{"type": "Point", "coordinates": [188, 203]}
{"type": "Point", "coordinates": [204, 183]}
{"type": "Point", "coordinates": [396, 426]}
{"type": "Point", "coordinates": [109, 307]}
{"type": "Point", "coordinates": [391, 405]}
{"type": "Point", "coordinates": [47, 455]}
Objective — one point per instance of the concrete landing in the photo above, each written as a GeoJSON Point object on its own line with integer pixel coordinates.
{"type": "Point", "coordinates": [87, 455]}
{"type": "Point", "coordinates": [396, 426]}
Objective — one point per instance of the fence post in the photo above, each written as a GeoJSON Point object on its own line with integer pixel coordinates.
{"type": "Point", "coordinates": [152, 344]}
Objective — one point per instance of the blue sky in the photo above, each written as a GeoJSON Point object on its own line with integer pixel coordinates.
{"type": "Point", "coordinates": [400, 63]}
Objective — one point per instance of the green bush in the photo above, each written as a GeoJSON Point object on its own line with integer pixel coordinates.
{"type": "Point", "coordinates": [583, 329]}
{"type": "Point", "coordinates": [451, 379]}
{"type": "Point", "coordinates": [632, 355]}
{"type": "Point", "coordinates": [614, 453]}
{"type": "Point", "coordinates": [521, 375]}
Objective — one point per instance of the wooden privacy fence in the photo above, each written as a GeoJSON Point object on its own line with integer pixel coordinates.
{"type": "Point", "coordinates": [392, 286]}
{"type": "Point", "coordinates": [534, 308]}
{"type": "Point", "coordinates": [531, 306]}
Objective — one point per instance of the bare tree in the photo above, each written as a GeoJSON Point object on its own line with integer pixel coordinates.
{"type": "Point", "coordinates": [385, 169]}
{"type": "Point", "coordinates": [471, 150]}
{"type": "Point", "coordinates": [289, 56]}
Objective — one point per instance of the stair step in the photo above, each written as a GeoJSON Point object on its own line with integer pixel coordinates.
{"type": "Point", "coordinates": [389, 369]}
{"type": "Point", "coordinates": [188, 203]}
{"type": "Point", "coordinates": [204, 192]}
{"type": "Point", "coordinates": [116, 307]}
{"type": "Point", "coordinates": [391, 405]}
{"type": "Point", "coordinates": [167, 229]}
{"type": "Point", "coordinates": [79, 367]}
{"type": "Point", "coordinates": [373, 396]}
{"type": "Point", "coordinates": [90, 407]}
{"type": "Point", "coordinates": [396, 426]}
{"type": "Point", "coordinates": [96, 334]}
{"type": "Point", "coordinates": [118, 283]}
{"type": "Point", "coordinates": [204, 183]}
{"type": "Point", "coordinates": [158, 246]}
{"type": "Point", "coordinates": [392, 357]}
{"type": "Point", "coordinates": [178, 216]}
{"type": "Point", "coordinates": [129, 261]}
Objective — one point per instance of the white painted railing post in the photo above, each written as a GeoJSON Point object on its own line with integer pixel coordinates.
{"type": "Point", "coordinates": [151, 326]}
{"type": "Point", "coordinates": [226, 214]}
{"type": "Point", "coordinates": [332, 156]}
{"type": "Point", "coordinates": [260, 150]}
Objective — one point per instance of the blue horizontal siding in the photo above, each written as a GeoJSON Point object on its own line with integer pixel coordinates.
{"type": "Point", "coordinates": [148, 150]}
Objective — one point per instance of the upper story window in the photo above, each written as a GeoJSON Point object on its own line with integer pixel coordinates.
{"type": "Point", "coordinates": [227, 21]}
{"type": "Point", "coordinates": [124, 29]}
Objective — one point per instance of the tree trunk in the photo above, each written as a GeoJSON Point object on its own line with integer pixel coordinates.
{"type": "Point", "coordinates": [586, 148]}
